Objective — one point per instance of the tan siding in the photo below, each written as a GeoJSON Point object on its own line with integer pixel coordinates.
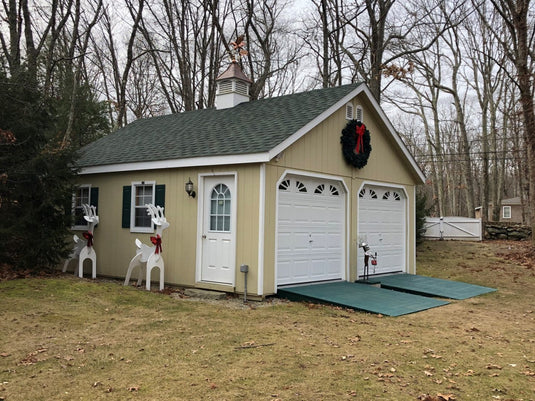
{"type": "Point", "coordinates": [115, 245]}
{"type": "Point", "coordinates": [247, 222]}
{"type": "Point", "coordinates": [320, 151]}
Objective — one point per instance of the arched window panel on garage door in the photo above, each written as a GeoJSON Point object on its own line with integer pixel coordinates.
{"type": "Point", "coordinates": [367, 193]}
{"type": "Point", "coordinates": [392, 196]}
{"type": "Point", "coordinates": [327, 190]}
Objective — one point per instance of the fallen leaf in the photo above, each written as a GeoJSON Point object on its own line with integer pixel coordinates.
{"type": "Point", "coordinates": [469, 372]}
{"type": "Point", "coordinates": [493, 366]}
{"type": "Point", "coordinates": [353, 340]}
{"type": "Point", "coordinates": [4, 354]}
{"type": "Point", "coordinates": [428, 373]}
{"type": "Point", "coordinates": [133, 388]}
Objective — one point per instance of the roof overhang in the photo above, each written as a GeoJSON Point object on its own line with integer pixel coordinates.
{"type": "Point", "coordinates": [177, 163]}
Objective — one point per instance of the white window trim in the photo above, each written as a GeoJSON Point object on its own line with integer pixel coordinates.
{"type": "Point", "coordinates": [84, 226]}
{"type": "Point", "coordinates": [133, 228]}
{"type": "Point", "coordinates": [504, 208]}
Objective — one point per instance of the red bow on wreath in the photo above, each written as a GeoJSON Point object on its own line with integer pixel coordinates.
{"type": "Point", "coordinates": [158, 242]}
{"type": "Point", "coordinates": [360, 130]}
{"type": "Point", "coordinates": [89, 237]}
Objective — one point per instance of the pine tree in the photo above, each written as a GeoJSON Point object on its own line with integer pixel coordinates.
{"type": "Point", "coordinates": [37, 180]}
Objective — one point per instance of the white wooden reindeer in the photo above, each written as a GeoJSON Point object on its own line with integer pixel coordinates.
{"type": "Point", "coordinates": [149, 256]}
{"type": "Point", "coordinates": [85, 250]}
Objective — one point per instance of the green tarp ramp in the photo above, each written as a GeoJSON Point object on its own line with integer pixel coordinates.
{"type": "Point", "coordinates": [362, 297]}
{"type": "Point", "coordinates": [430, 286]}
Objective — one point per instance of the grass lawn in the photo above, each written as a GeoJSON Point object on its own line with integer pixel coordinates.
{"type": "Point", "coordinates": [69, 339]}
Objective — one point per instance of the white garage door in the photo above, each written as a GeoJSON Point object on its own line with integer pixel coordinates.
{"type": "Point", "coordinates": [382, 224]}
{"type": "Point", "coordinates": [310, 230]}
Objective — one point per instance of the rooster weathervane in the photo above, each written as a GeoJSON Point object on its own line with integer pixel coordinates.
{"type": "Point", "coordinates": [238, 50]}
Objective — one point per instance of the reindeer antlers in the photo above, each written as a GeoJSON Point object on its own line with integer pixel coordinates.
{"type": "Point", "coordinates": [156, 213]}
{"type": "Point", "coordinates": [90, 213]}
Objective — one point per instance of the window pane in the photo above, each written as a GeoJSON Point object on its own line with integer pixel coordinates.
{"type": "Point", "coordinates": [220, 208]}
{"type": "Point", "coordinates": [81, 197]}
{"type": "Point", "coordinates": [79, 217]}
{"type": "Point", "coordinates": [213, 223]}
{"type": "Point", "coordinates": [213, 207]}
{"type": "Point", "coordinates": [142, 219]}
{"type": "Point", "coordinates": [143, 195]}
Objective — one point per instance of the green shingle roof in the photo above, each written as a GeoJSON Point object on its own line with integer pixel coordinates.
{"type": "Point", "coordinates": [248, 128]}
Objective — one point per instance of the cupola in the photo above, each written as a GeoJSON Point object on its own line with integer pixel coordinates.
{"type": "Point", "coordinates": [232, 87]}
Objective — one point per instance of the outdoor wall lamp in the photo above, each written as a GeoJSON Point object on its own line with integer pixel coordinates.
{"type": "Point", "coordinates": [189, 188]}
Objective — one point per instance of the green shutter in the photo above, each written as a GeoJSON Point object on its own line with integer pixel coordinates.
{"type": "Point", "coordinates": [93, 197]}
{"type": "Point", "coordinates": [159, 196]}
{"type": "Point", "coordinates": [127, 200]}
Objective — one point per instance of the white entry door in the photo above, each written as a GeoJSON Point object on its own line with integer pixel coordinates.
{"type": "Point", "coordinates": [218, 228]}
{"type": "Point", "coordinates": [310, 230]}
{"type": "Point", "coordinates": [382, 224]}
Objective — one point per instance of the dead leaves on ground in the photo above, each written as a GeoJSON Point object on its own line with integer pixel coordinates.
{"type": "Point", "coordinates": [32, 357]}
{"type": "Point", "coordinates": [438, 397]}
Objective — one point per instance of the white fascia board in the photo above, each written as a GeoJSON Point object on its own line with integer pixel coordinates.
{"type": "Point", "coordinates": [315, 122]}
{"type": "Point", "coordinates": [177, 163]}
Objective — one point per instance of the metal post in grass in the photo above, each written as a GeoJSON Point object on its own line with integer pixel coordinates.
{"type": "Point", "coordinates": [245, 269]}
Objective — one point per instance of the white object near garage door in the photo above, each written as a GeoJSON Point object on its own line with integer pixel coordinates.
{"type": "Point", "coordinates": [382, 224]}
{"type": "Point", "coordinates": [310, 230]}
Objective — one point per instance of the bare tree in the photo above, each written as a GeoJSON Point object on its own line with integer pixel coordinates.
{"type": "Point", "coordinates": [517, 16]}
{"type": "Point", "coordinates": [108, 55]}
{"type": "Point", "coordinates": [488, 82]}
{"type": "Point", "coordinates": [80, 40]}
{"type": "Point", "coordinates": [38, 30]}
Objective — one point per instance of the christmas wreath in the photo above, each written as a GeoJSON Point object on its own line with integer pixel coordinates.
{"type": "Point", "coordinates": [356, 143]}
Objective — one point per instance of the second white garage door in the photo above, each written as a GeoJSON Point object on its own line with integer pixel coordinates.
{"type": "Point", "coordinates": [382, 224]}
{"type": "Point", "coordinates": [310, 230]}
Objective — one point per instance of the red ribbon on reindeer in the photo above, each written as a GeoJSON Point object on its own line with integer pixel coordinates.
{"type": "Point", "coordinates": [158, 242]}
{"type": "Point", "coordinates": [89, 237]}
{"type": "Point", "coordinates": [360, 130]}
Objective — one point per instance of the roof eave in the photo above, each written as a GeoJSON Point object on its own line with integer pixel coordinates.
{"type": "Point", "coordinates": [177, 163]}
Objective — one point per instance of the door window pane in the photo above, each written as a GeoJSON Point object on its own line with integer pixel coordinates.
{"type": "Point", "coordinates": [220, 207]}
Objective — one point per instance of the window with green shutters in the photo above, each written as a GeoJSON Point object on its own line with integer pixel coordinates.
{"type": "Point", "coordinates": [135, 197]}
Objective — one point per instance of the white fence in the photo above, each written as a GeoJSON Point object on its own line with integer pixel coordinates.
{"type": "Point", "coordinates": [459, 228]}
